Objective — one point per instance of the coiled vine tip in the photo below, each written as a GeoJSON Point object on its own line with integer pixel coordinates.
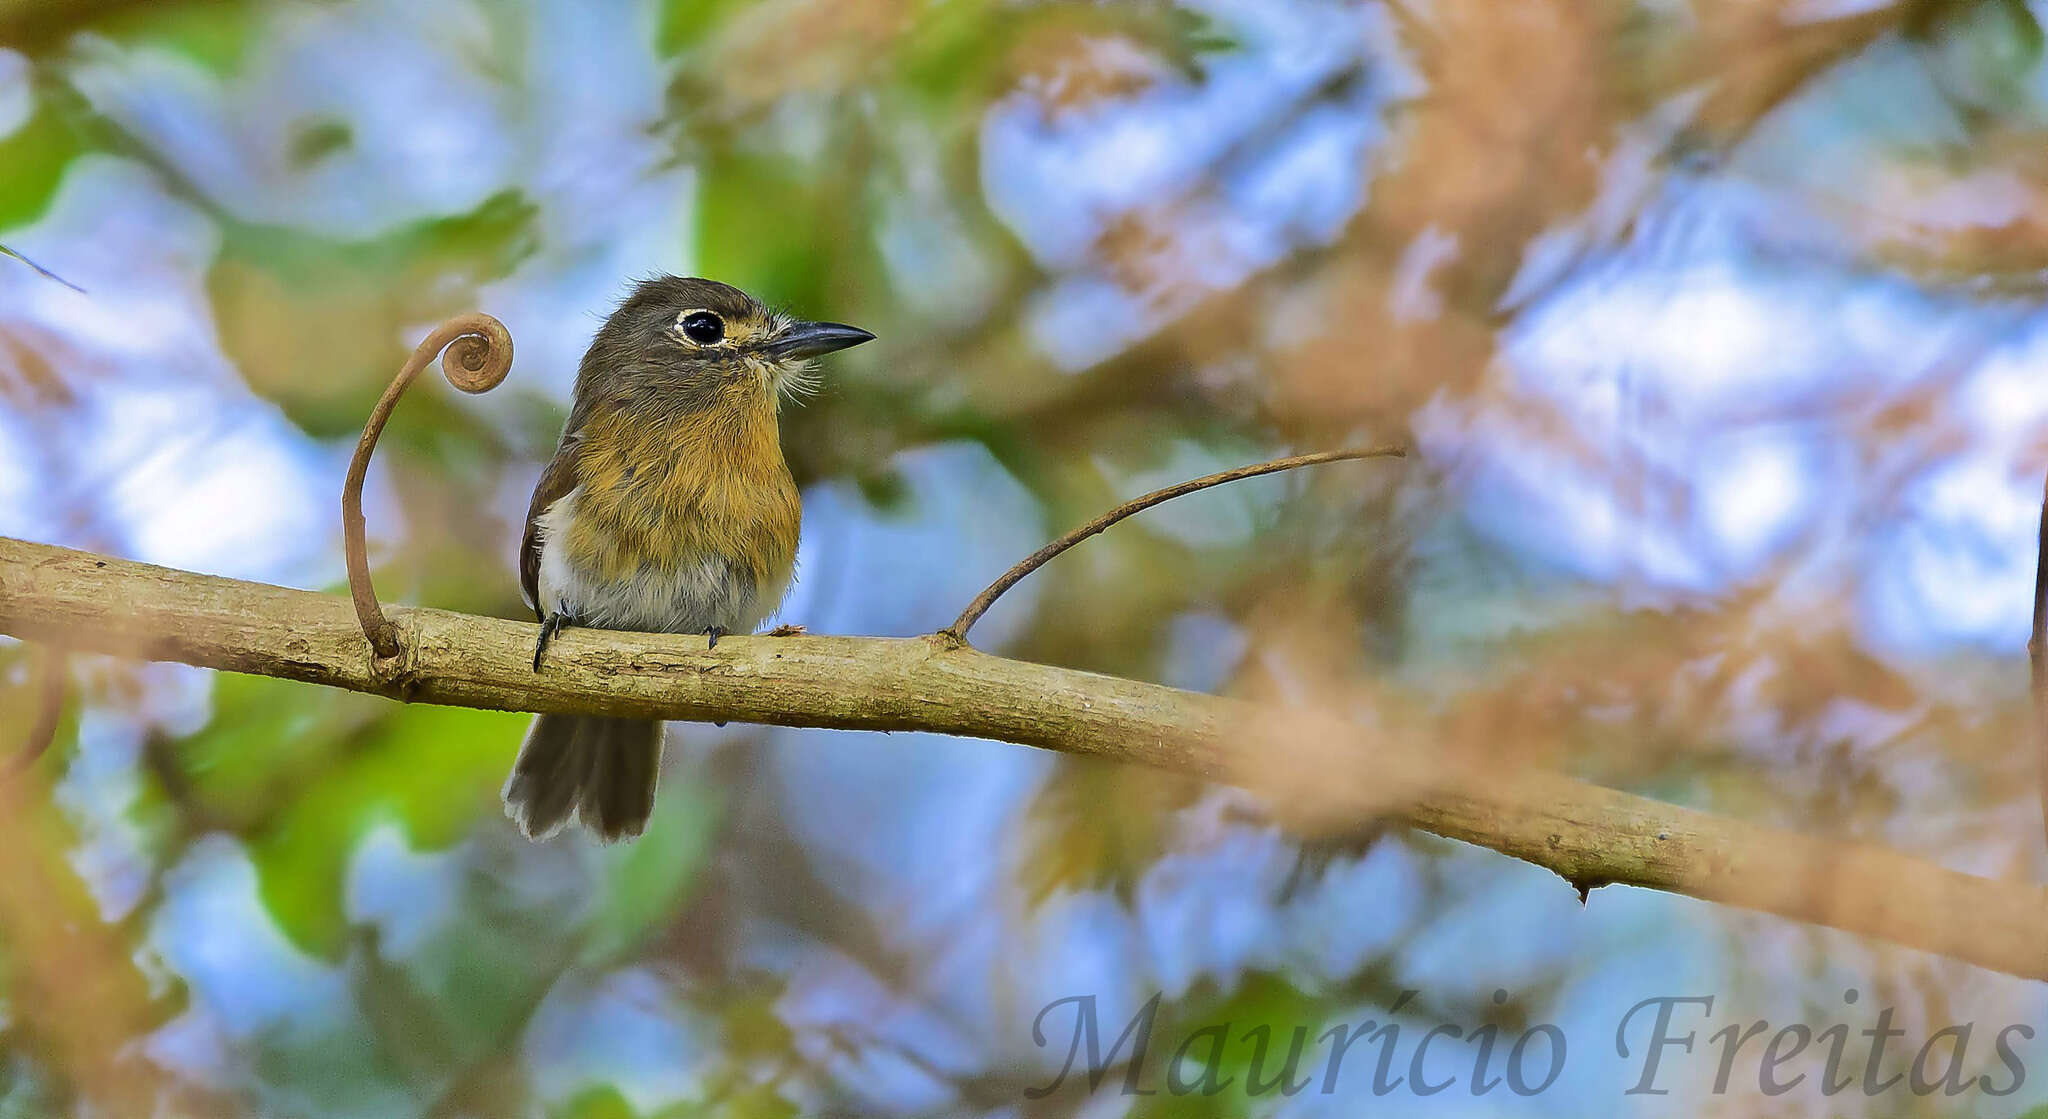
{"type": "Point", "coordinates": [476, 355]}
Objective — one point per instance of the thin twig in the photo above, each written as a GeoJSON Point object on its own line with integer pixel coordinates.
{"type": "Point", "coordinates": [478, 355]}
{"type": "Point", "coordinates": [2037, 658]}
{"type": "Point", "coordinates": [46, 273]}
{"type": "Point", "coordinates": [1034, 561]}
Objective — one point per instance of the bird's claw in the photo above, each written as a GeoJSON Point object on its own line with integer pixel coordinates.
{"type": "Point", "coordinates": [549, 626]}
{"type": "Point", "coordinates": [715, 632]}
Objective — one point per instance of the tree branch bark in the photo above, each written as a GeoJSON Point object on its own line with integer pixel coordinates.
{"type": "Point", "coordinates": [1591, 836]}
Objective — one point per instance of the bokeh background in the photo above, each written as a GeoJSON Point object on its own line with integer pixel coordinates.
{"type": "Point", "coordinates": [1715, 326]}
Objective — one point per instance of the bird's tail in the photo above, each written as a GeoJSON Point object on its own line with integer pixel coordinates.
{"type": "Point", "coordinates": [599, 768]}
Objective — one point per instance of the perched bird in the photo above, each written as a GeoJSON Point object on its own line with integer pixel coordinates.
{"type": "Point", "coordinates": [667, 508]}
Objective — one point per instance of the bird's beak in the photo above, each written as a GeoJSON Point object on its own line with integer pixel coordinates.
{"type": "Point", "coordinates": [815, 339]}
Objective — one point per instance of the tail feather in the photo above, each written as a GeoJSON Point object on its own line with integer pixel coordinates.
{"type": "Point", "coordinates": [599, 768]}
{"type": "Point", "coordinates": [548, 777]}
{"type": "Point", "coordinates": [620, 794]}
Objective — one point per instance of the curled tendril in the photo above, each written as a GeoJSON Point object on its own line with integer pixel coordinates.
{"type": "Point", "coordinates": [476, 353]}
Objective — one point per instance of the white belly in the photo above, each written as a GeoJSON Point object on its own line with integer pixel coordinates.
{"type": "Point", "coordinates": [693, 595]}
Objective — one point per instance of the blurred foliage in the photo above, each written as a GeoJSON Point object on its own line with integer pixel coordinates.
{"type": "Point", "coordinates": [350, 303]}
{"type": "Point", "coordinates": [844, 156]}
{"type": "Point", "coordinates": [217, 36]}
{"type": "Point", "coordinates": [35, 156]}
{"type": "Point", "coordinates": [1101, 826]}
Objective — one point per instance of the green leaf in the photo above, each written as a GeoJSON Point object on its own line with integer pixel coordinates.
{"type": "Point", "coordinates": [2025, 29]}
{"type": "Point", "coordinates": [333, 1068]}
{"type": "Point", "coordinates": [472, 982]}
{"type": "Point", "coordinates": [2003, 46]}
{"type": "Point", "coordinates": [755, 1101]}
{"type": "Point", "coordinates": [487, 241]}
{"type": "Point", "coordinates": [682, 24]}
{"type": "Point", "coordinates": [265, 737]}
{"type": "Point", "coordinates": [971, 47]}
{"type": "Point", "coordinates": [1984, 52]}
{"type": "Point", "coordinates": [216, 36]}
{"type": "Point", "coordinates": [319, 326]}
{"type": "Point", "coordinates": [316, 140]}
{"type": "Point", "coordinates": [751, 1027]}
{"type": "Point", "coordinates": [35, 157]}
{"type": "Point", "coordinates": [434, 769]}
{"type": "Point", "coordinates": [602, 1102]}
{"type": "Point", "coordinates": [1262, 1001]}
{"type": "Point", "coordinates": [954, 47]}
{"type": "Point", "coordinates": [759, 226]}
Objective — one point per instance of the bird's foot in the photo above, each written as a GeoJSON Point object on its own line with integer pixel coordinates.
{"type": "Point", "coordinates": [786, 631]}
{"type": "Point", "coordinates": [714, 633]}
{"type": "Point", "coordinates": [549, 626]}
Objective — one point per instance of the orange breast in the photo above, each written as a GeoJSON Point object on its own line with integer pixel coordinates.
{"type": "Point", "coordinates": [674, 487]}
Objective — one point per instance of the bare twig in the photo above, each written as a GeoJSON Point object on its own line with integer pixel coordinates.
{"type": "Point", "coordinates": [1588, 835]}
{"type": "Point", "coordinates": [1034, 561]}
{"type": "Point", "coordinates": [478, 355]}
{"type": "Point", "coordinates": [2037, 658]}
{"type": "Point", "coordinates": [45, 273]}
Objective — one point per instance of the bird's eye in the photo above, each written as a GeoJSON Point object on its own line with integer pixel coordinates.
{"type": "Point", "coordinates": [703, 327]}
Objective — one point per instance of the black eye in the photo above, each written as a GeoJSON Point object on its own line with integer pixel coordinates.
{"type": "Point", "coordinates": [703, 327]}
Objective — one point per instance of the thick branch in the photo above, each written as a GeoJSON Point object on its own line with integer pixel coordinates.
{"type": "Point", "coordinates": [1589, 835]}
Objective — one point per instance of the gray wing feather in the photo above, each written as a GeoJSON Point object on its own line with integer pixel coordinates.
{"type": "Point", "coordinates": [555, 482]}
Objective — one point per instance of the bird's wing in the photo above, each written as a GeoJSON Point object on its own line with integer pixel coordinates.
{"type": "Point", "coordinates": [555, 482]}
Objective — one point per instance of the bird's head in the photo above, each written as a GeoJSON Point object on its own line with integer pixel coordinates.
{"type": "Point", "coordinates": [712, 342]}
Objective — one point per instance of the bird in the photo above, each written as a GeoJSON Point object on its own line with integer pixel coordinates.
{"type": "Point", "coordinates": [668, 507]}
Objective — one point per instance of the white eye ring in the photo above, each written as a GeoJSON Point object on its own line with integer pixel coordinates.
{"type": "Point", "coordinates": [701, 327]}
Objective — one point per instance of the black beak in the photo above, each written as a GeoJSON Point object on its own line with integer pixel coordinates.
{"type": "Point", "coordinates": [815, 339]}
